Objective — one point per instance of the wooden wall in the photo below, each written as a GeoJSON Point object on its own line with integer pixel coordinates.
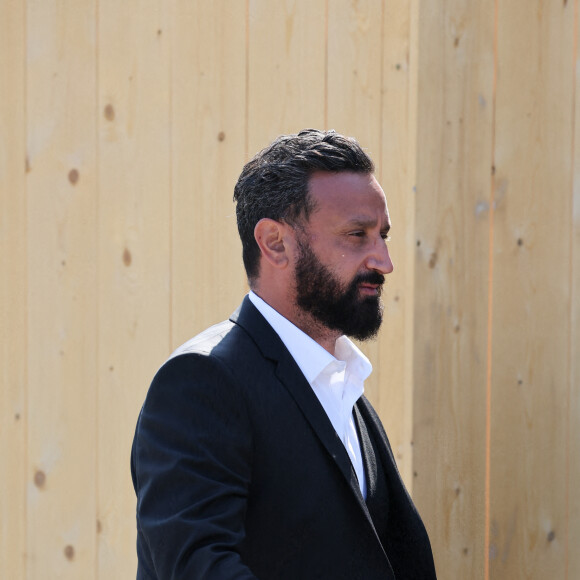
{"type": "Point", "coordinates": [123, 127]}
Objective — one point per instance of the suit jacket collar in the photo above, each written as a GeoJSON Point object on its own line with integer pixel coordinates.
{"type": "Point", "coordinates": [289, 374]}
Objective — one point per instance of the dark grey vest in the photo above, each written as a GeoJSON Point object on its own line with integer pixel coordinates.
{"type": "Point", "coordinates": [377, 491]}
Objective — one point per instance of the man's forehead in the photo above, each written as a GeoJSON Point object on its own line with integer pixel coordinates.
{"type": "Point", "coordinates": [355, 197]}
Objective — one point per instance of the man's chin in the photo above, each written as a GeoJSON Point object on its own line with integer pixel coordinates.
{"type": "Point", "coordinates": [368, 324]}
{"type": "Point", "coordinates": [366, 334]}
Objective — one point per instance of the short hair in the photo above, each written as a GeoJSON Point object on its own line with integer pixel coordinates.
{"type": "Point", "coordinates": [275, 183]}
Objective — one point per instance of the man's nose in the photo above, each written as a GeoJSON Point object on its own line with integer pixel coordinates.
{"type": "Point", "coordinates": [379, 258]}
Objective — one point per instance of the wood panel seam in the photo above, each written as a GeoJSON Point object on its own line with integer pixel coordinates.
{"type": "Point", "coordinates": [247, 103]}
{"type": "Point", "coordinates": [27, 336]}
{"type": "Point", "coordinates": [570, 301]}
{"type": "Point", "coordinates": [98, 278]}
{"type": "Point", "coordinates": [490, 303]}
{"type": "Point", "coordinates": [326, 65]}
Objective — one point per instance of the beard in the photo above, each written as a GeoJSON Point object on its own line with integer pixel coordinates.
{"type": "Point", "coordinates": [335, 305]}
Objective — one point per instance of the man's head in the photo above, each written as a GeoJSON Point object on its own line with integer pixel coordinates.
{"type": "Point", "coordinates": [274, 184]}
{"type": "Point", "coordinates": [313, 222]}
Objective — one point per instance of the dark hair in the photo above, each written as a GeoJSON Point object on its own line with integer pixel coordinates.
{"type": "Point", "coordinates": [274, 184]}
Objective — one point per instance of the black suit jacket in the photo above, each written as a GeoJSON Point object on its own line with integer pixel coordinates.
{"type": "Point", "coordinates": [239, 473]}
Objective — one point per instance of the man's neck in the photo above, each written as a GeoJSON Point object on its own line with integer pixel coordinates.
{"type": "Point", "coordinates": [324, 336]}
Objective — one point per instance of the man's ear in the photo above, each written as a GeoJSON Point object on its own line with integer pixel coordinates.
{"type": "Point", "coordinates": [270, 236]}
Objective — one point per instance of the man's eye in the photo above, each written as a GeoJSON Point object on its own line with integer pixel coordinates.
{"type": "Point", "coordinates": [357, 234]}
{"type": "Point", "coordinates": [386, 237]}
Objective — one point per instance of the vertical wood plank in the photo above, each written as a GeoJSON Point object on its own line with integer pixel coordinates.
{"type": "Point", "coordinates": [531, 290]}
{"type": "Point", "coordinates": [393, 395]}
{"type": "Point", "coordinates": [134, 250]}
{"type": "Point", "coordinates": [208, 142]}
{"type": "Point", "coordinates": [62, 318]}
{"type": "Point", "coordinates": [454, 100]}
{"type": "Point", "coordinates": [354, 71]}
{"type": "Point", "coordinates": [573, 515]}
{"type": "Point", "coordinates": [286, 69]}
{"type": "Point", "coordinates": [13, 277]}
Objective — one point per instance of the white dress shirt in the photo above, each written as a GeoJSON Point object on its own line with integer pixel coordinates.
{"type": "Point", "coordinates": [338, 382]}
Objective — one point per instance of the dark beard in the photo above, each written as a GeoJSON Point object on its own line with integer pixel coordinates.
{"type": "Point", "coordinates": [334, 305]}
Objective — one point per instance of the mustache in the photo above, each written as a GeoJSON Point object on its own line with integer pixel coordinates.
{"type": "Point", "coordinates": [369, 278]}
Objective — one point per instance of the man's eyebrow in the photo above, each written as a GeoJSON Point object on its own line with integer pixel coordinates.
{"type": "Point", "coordinates": [367, 222]}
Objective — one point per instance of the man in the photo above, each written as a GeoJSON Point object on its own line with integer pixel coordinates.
{"type": "Point", "coordinates": [255, 454]}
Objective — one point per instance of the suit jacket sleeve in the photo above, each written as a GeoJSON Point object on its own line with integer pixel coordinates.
{"type": "Point", "coordinates": [191, 467]}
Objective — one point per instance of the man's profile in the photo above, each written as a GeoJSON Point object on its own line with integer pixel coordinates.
{"type": "Point", "coordinates": [256, 454]}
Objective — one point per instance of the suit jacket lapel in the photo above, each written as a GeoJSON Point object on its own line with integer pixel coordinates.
{"type": "Point", "coordinates": [292, 378]}
{"type": "Point", "coordinates": [290, 375]}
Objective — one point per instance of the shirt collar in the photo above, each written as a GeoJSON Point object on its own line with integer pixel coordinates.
{"type": "Point", "coordinates": [312, 358]}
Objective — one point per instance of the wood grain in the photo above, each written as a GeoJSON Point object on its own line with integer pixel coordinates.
{"type": "Point", "coordinates": [134, 126]}
{"type": "Point", "coordinates": [454, 144]}
{"type": "Point", "coordinates": [208, 88]}
{"type": "Point", "coordinates": [573, 507]}
{"type": "Point", "coordinates": [286, 69]}
{"type": "Point", "coordinates": [13, 283]}
{"type": "Point", "coordinates": [531, 290]}
{"type": "Point", "coordinates": [62, 296]}
{"type": "Point", "coordinates": [354, 71]}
